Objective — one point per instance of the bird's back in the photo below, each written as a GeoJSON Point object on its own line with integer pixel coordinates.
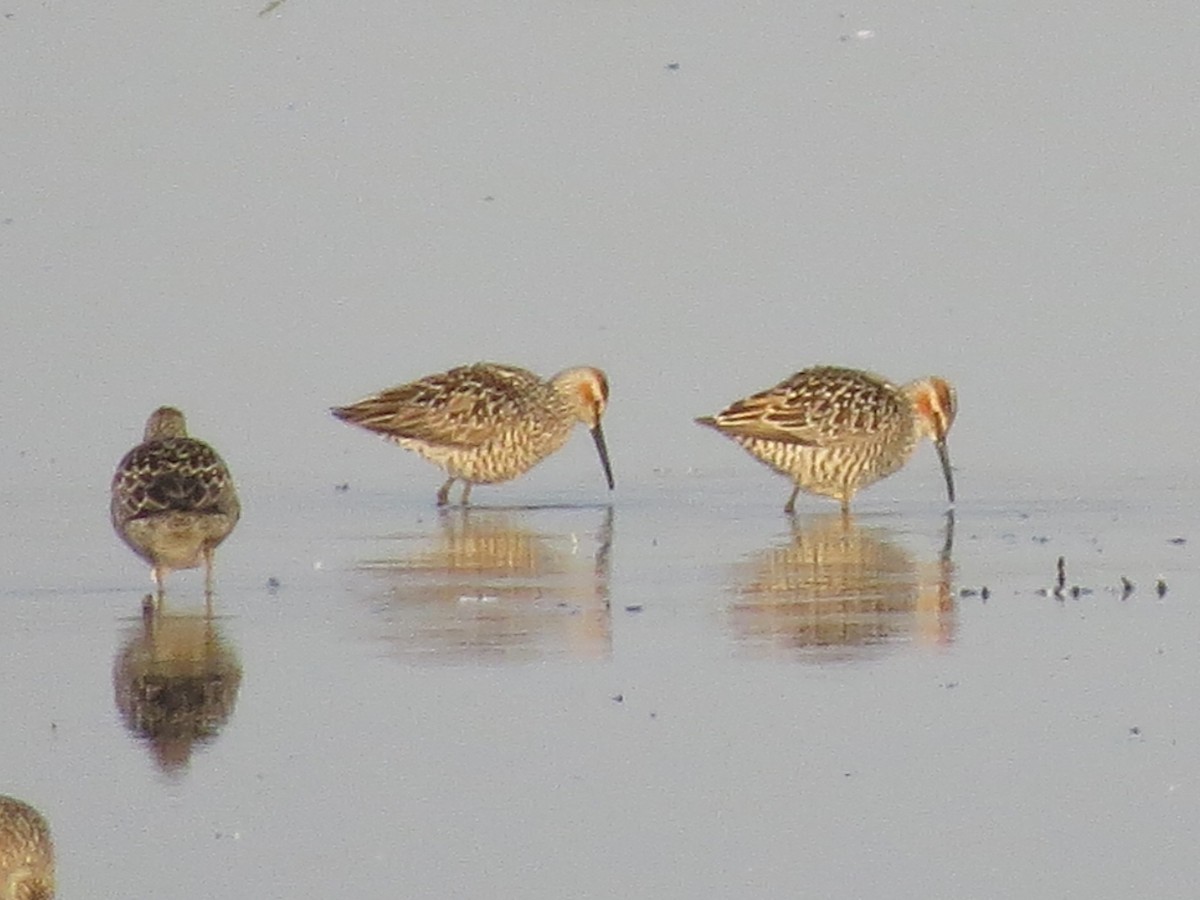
{"type": "Point", "coordinates": [175, 475]}
{"type": "Point", "coordinates": [26, 852]}
{"type": "Point", "coordinates": [819, 407]}
{"type": "Point", "coordinates": [462, 408]}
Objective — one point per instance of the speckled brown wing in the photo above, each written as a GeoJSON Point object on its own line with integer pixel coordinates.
{"type": "Point", "coordinates": [458, 408]}
{"type": "Point", "coordinates": [173, 475]}
{"type": "Point", "coordinates": [26, 852]}
{"type": "Point", "coordinates": [819, 407]}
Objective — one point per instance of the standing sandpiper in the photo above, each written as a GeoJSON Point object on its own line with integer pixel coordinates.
{"type": "Point", "coordinates": [173, 499]}
{"type": "Point", "coordinates": [834, 431]}
{"type": "Point", "coordinates": [486, 423]}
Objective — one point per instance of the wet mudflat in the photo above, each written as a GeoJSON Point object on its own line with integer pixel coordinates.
{"type": "Point", "coordinates": [684, 694]}
{"type": "Point", "coordinates": [681, 694]}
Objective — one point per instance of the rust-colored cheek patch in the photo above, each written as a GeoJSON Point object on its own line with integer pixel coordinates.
{"type": "Point", "coordinates": [924, 406]}
{"type": "Point", "coordinates": [945, 396]}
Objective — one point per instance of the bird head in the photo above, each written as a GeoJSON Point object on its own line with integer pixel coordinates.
{"type": "Point", "coordinates": [935, 405]}
{"type": "Point", "coordinates": [586, 389]}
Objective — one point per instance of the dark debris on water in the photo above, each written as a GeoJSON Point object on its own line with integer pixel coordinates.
{"type": "Point", "coordinates": [1061, 590]}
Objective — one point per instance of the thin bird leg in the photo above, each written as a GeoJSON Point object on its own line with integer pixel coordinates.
{"type": "Point", "coordinates": [443, 495]}
{"type": "Point", "coordinates": [208, 579]}
{"type": "Point", "coordinates": [160, 591]}
{"type": "Point", "coordinates": [466, 492]}
{"type": "Point", "coordinates": [790, 506]}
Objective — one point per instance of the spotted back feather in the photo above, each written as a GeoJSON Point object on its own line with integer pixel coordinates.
{"type": "Point", "coordinates": [179, 474]}
{"type": "Point", "coordinates": [26, 852]}
{"type": "Point", "coordinates": [458, 408]}
{"type": "Point", "coordinates": [824, 406]}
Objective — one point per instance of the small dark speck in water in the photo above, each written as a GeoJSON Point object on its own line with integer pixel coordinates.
{"type": "Point", "coordinates": [618, 698]}
{"type": "Point", "coordinates": [342, 488]}
{"type": "Point", "coordinates": [654, 715]}
{"type": "Point", "coordinates": [983, 593]}
{"type": "Point", "coordinates": [272, 584]}
{"type": "Point", "coordinates": [673, 66]}
{"type": "Point", "coordinates": [1160, 588]}
{"type": "Point", "coordinates": [1126, 587]}
{"type": "Point", "coordinates": [1135, 730]}
{"type": "Point", "coordinates": [1041, 540]}
{"type": "Point", "coordinates": [950, 684]}
{"type": "Point", "coordinates": [634, 607]}
{"type": "Point", "coordinates": [1177, 540]}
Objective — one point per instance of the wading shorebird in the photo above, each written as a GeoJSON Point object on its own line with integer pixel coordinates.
{"type": "Point", "coordinates": [486, 423]}
{"type": "Point", "coordinates": [173, 499]}
{"type": "Point", "coordinates": [834, 431]}
{"type": "Point", "coordinates": [26, 852]}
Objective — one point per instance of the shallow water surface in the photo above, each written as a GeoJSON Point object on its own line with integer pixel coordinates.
{"type": "Point", "coordinates": [671, 690]}
{"type": "Point", "coordinates": [665, 697]}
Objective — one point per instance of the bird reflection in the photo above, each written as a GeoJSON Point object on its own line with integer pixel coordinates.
{"type": "Point", "coordinates": [843, 587]}
{"type": "Point", "coordinates": [26, 852]}
{"type": "Point", "coordinates": [175, 681]}
{"type": "Point", "coordinates": [484, 585]}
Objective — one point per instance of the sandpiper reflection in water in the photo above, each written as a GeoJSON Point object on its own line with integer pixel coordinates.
{"type": "Point", "coordinates": [26, 852]}
{"type": "Point", "coordinates": [175, 682]}
{"type": "Point", "coordinates": [485, 584]}
{"type": "Point", "coordinates": [844, 587]}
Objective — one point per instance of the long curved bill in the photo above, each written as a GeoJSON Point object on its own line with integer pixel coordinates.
{"type": "Point", "coordinates": [602, 449]}
{"type": "Point", "coordinates": [944, 456]}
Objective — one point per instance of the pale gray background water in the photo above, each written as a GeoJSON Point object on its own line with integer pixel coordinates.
{"type": "Point", "coordinates": [257, 217]}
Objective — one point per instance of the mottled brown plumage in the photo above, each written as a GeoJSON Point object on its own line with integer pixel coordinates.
{"type": "Point", "coordinates": [173, 499]}
{"type": "Point", "coordinates": [834, 431]}
{"type": "Point", "coordinates": [26, 853]}
{"type": "Point", "coordinates": [486, 423]}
